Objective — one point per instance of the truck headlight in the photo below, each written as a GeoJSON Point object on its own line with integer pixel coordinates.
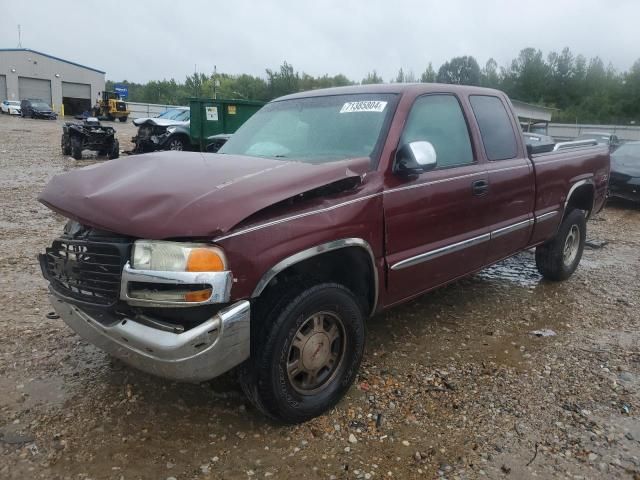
{"type": "Point", "coordinates": [177, 257]}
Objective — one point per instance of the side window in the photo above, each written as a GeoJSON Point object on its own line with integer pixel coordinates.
{"type": "Point", "coordinates": [439, 119]}
{"type": "Point", "coordinates": [495, 127]}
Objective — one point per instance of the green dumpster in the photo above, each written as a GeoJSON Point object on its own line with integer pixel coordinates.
{"type": "Point", "coordinates": [212, 117]}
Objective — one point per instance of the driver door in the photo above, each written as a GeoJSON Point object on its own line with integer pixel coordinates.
{"type": "Point", "coordinates": [435, 223]}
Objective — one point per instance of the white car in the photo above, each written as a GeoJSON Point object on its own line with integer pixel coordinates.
{"type": "Point", "coordinates": [12, 107]}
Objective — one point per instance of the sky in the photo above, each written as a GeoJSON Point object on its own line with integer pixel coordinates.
{"type": "Point", "coordinates": [151, 40]}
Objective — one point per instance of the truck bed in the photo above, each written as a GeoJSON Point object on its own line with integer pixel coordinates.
{"type": "Point", "coordinates": [558, 173]}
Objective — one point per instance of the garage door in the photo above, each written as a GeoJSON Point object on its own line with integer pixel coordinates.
{"type": "Point", "coordinates": [76, 90]}
{"type": "Point", "coordinates": [3, 87]}
{"type": "Point", "coordinates": [34, 88]}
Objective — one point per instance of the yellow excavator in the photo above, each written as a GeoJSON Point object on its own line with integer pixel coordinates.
{"type": "Point", "coordinates": [110, 106]}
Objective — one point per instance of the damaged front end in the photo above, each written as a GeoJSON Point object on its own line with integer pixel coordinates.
{"type": "Point", "coordinates": [172, 321]}
{"type": "Point", "coordinates": [150, 137]}
{"type": "Point", "coordinates": [169, 131]}
{"type": "Point", "coordinates": [158, 293]}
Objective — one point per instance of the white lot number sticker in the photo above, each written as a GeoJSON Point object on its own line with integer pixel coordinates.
{"type": "Point", "coordinates": [364, 106]}
{"type": "Point", "coordinates": [212, 113]}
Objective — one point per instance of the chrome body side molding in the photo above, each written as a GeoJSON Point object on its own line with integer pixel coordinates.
{"type": "Point", "coordinates": [318, 250]}
{"type": "Point", "coordinates": [455, 247]}
{"type": "Point", "coordinates": [546, 216]}
{"type": "Point", "coordinates": [511, 228]}
{"type": "Point", "coordinates": [579, 183]}
{"type": "Point", "coordinates": [439, 252]}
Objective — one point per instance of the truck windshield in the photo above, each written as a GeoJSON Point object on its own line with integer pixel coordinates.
{"type": "Point", "coordinates": [315, 129]}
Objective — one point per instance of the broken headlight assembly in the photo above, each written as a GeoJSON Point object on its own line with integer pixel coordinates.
{"type": "Point", "coordinates": [176, 273]}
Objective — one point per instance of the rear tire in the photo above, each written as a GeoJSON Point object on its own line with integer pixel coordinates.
{"type": "Point", "coordinates": [76, 148]}
{"type": "Point", "coordinates": [305, 352]}
{"type": "Point", "coordinates": [115, 150]}
{"type": "Point", "coordinates": [64, 143]}
{"type": "Point", "coordinates": [559, 257]}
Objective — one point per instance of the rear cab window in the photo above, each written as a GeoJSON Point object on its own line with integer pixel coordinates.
{"type": "Point", "coordinates": [496, 128]}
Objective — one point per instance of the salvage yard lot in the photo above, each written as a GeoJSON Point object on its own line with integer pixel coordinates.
{"type": "Point", "coordinates": [452, 384]}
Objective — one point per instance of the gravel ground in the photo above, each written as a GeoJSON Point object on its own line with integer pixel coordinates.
{"type": "Point", "coordinates": [452, 385]}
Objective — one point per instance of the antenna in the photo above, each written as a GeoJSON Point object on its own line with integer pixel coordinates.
{"type": "Point", "coordinates": [19, 37]}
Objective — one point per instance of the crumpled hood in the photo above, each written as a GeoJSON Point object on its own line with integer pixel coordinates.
{"type": "Point", "coordinates": [187, 194]}
{"type": "Point", "coordinates": [160, 122]}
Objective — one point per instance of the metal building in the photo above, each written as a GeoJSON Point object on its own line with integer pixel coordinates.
{"type": "Point", "coordinates": [532, 118]}
{"type": "Point", "coordinates": [26, 73]}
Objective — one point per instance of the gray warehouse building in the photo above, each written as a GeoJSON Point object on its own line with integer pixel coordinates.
{"type": "Point", "coordinates": [26, 73]}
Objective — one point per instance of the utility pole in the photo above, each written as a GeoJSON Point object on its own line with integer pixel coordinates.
{"type": "Point", "coordinates": [19, 37]}
{"type": "Point", "coordinates": [215, 81]}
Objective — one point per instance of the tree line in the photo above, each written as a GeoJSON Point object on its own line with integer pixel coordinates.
{"type": "Point", "coordinates": [582, 90]}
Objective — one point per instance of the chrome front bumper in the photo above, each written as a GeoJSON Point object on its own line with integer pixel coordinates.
{"type": "Point", "coordinates": [199, 354]}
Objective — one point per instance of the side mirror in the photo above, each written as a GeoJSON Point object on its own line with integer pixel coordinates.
{"type": "Point", "coordinates": [415, 158]}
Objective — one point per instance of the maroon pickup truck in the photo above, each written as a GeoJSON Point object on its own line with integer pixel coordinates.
{"type": "Point", "coordinates": [325, 208]}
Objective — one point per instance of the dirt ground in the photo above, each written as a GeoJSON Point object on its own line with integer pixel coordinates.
{"type": "Point", "coordinates": [452, 385]}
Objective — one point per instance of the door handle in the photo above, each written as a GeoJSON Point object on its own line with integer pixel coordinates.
{"type": "Point", "coordinates": [480, 187]}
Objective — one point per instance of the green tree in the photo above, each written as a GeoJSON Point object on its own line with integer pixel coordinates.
{"type": "Point", "coordinates": [283, 82]}
{"type": "Point", "coordinates": [490, 77]}
{"type": "Point", "coordinates": [460, 70]}
{"type": "Point", "coordinates": [372, 77]}
{"type": "Point", "coordinates": [526, 79]}
{"type": "Point", "coordinates": [429, 75]}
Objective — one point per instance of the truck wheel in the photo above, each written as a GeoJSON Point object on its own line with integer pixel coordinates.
{"type": "Point", "coordinates": [114, 152]}
{"type": "Point", "coordinates": [307, 354]}
{"type": "Point", "coordinates": [559, 257]}
{"type": "Point", "coordinates": [76, 148]}
{"type": "Point", "coordinates": [122, 119]}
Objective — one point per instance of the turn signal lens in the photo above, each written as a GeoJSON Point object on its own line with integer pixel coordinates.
{"type": "Point", "coordinates": [198, 295]}
{"type": "Point", "coordinates": [204, 260]}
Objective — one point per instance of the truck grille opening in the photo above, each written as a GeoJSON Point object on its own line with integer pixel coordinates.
{"type": "Point", "coordinates": [85, 271]}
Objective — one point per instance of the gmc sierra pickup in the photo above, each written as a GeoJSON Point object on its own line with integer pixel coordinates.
{"type": "Point", "coordinates": [326, 207]}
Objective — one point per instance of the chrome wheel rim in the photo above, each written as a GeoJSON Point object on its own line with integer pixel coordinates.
{"type": "Point", "coordinates": [316, 353]}
{"type": "Point", "coordinates": [175, 145]}
{"type": "Point", "coordinates": [571, 244]}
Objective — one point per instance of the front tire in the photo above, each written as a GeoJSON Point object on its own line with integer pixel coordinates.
{"type": "Point", "coordinates": [122, 119]}
{"type": "Point", "coordinates": [559, 257]}
{"type": "Point", "coordinates": [177, 144]}
{"type": "Point", "coordinates": [307, 353]}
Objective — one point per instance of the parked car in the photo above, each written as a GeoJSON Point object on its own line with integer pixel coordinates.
{"type": "Point", "coordinates": [12, 107]}
{"type": "Point", "coordinates": [35, 108]}
{"type": "Point", "coordinates": [89, 135]}
{"type": "Point", "coordinates": [323, 209]}
{"type": "Point", "coordinates": [215, 142]}
{"type": "Point", "coordinates": [539, 143]}
{"type": "Point", "coordinates": [605, 138]}
{"type": "Point", "coordinates": [625, 172]}
{"type": "Point", "coordinates": [168, 131]}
